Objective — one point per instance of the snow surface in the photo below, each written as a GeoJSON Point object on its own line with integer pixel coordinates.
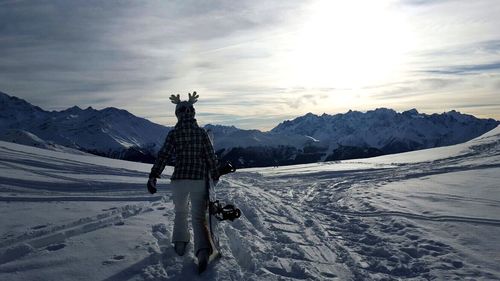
{"type": "Point", "coordinates": [27, 138]}
{"type": "Point", "coordinates": [425, 215]}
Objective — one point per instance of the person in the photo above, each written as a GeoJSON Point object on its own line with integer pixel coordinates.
{"type": "Point", "coordinates": [195, 163]}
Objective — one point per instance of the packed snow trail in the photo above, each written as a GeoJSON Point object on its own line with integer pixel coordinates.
{"type": "Point", "coordinates": [410, 219]}
{"type": "Point", "coordinates": [424, 215]}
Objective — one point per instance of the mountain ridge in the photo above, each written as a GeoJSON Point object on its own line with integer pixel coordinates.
{"type": "Point", "coordinates": [108, 132]}
{"type": "Point", "coordinates": [117, 133]}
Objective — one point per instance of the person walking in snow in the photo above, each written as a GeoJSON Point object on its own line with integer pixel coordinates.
{"type": "Point", "coordinates": [195, 162]}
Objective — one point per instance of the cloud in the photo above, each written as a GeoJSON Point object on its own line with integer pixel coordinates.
{"type": "Point", "coordinates": [423, 2]}
{"type": "Point", "coordinates": [468, 69]}
{"type": "Point", "coordinates": [306, 99]}
{"type": "Point", "coordinates": [412, 88]}
{"type": "Point", "coordinates": [71, 50]}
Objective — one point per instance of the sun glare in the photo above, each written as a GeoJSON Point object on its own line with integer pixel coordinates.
{"type": "Point", "coordinates": [349, 44]}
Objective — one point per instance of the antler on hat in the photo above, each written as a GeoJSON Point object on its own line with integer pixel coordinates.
{"type": "Point", "coordinates": [193, 98]}
{"type": "Point", "coordinates": [175, 99]}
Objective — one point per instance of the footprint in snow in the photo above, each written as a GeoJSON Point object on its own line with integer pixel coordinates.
{"type": "Point", "coordinates": [55, 247]}
{"type": "Point", "coordinates": [39, 226]}
{"type": "Point", "coordinates": [118, 257]}
{"type": "Point", "coordinates": [114, 259]}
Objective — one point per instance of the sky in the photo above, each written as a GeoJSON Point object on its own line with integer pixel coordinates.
{"type": "Point", "coordinates": [254, 63]}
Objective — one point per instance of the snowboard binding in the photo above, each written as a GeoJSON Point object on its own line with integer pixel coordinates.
{"type": "Point", "coordinates": [227, 168]}
{"type": "Point", "coordinates": [216, 208]}
{"type": "Point", "coordinates": [224, 212]}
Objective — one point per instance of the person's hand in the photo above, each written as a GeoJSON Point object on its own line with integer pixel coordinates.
{"type": "Point", "coordinates": [152, 185]}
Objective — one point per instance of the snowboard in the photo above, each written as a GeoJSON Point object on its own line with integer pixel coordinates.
{"type": "Point", "coordinates": [216, 210]}
{"type": "Point", "coordinates": [213, 224]}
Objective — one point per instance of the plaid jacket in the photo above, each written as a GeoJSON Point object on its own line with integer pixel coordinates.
{"type": "Point", "coordinates": [194, 154]}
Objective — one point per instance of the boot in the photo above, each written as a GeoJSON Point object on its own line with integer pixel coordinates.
{"type": "Point", "coordinates": [180, 247]}
{"type": "Point", "coordinates": [202, 260]}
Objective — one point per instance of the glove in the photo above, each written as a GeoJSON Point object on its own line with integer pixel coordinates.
{"type": "Point", "coordinates": [152, 185]}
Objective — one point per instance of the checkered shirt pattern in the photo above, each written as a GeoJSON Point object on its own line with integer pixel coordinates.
{"type": "Point", "coordinates": [194, 154]}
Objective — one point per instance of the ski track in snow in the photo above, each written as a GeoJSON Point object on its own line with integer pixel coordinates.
{"type": "Point", "coordinates": [296, 224]}
{"type": "Point", "coordinates": [383, 243]}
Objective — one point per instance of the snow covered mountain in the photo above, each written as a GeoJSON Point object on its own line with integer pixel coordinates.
{"type": "Point", "coordinates": [312, 138]}
{"type": "Point", "coordinates": [118, 134]}
{"type": "Point", "coordinates": [227, 137]}
{"type": "Point", "coordinates": [108, 132]}
{"type": "Point", "coordinates": [387, 130]}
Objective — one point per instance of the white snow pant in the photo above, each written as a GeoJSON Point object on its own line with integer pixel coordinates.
{"type": "Point", "coordinates": [195, 189]}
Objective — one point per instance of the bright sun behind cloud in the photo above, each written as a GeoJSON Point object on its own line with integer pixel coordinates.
{"type": "Point", "coordinates": [255, 63]}
{"type": "Point", "coordinates": [350, 44]}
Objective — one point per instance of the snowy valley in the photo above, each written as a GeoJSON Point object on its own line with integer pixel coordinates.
{"type": "Point", "coordinates": [423, 215]}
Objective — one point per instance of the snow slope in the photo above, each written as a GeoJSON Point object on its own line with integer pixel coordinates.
{"type": "Point", "coordinates": [27, 138]}
{"type": "Point", "coordinates": [427, 215]}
